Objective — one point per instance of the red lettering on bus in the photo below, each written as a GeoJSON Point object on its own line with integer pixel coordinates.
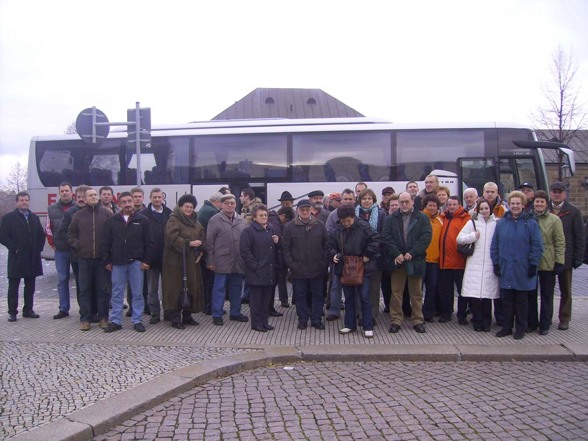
{"type": "Point", "coordinates": [51, 198]}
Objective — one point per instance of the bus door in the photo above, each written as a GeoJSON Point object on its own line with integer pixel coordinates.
{"type": "Point", "coordinates": [260, 189]}
{"type": "Point", "coordinates": [475, 172]}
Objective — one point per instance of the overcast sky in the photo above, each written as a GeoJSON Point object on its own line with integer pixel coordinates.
{"type": "Point", "coordinates": [405, 61]}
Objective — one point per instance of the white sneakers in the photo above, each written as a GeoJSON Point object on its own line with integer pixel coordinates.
{"type": "Point", "coordinates": [346, 331]}
{"type": "Point", "coordinates": [369, 334]}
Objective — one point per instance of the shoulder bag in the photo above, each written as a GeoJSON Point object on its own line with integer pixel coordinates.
{"type": "Point", "coordinates": [353, 268]}
{"type": "Point", "coordinates": [467, 249]}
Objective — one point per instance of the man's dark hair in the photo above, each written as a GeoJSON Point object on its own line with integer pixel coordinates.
{"type": "Point", "coordinates": [345, 211]}
{"type": "Point", "coordinates": [249, 192]}
{"type": "Point", "coordinates": [455, 198]}
{"type": "Point", "coordinates": [66, 184]}
{"type": "Point", "coordinates": [288, 212]}
{"type": "Point", "coordinates": [22, 194]}
{"type": "Point", "coordinates": [125, 194]}
{"type": "Point", "coordinates": [106, 188]}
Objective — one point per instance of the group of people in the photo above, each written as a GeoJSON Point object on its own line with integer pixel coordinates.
{"type": "Point", "coordinates": [410, 240]}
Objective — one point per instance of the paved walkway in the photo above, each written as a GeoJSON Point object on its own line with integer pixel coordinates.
{"type": "Point", "coordinates": [58, 380]}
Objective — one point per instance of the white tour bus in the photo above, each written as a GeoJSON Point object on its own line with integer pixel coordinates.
{"type": "Point", "coordinates": [274, 155]}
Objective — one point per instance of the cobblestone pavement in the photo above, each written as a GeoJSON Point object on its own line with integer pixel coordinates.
{"type": "Point", "coordinates": [377, 401]}
{"type": "Point", "coordinates": [49, 368]}
{"type": "Point", "coordinates": [42, 381]}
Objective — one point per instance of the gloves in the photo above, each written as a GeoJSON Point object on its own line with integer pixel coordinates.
{"type": "Point", "coordinates": [577, 264]}
{"type": "Point", "coordinates": [558, 268]}
{"type": "Point", "coordinates": [497, 270]}
{"type": "Point", "coordinates": [532, 271]}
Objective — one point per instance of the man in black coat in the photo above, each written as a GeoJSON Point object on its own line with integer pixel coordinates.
{"type": "Point", "coordinates": [22, 233]}
{"type": "Point", "coordinates": [158, 215]}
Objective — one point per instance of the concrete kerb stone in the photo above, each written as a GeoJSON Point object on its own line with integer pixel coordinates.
{"type": "Point", "coordinates": [515, 353]}
{"type": "Point", "coordinates": [102, 416]}
{"type": "Point", "coordinates": [580, 350]}
{"type": "Point", "coordinates": [359, 353]}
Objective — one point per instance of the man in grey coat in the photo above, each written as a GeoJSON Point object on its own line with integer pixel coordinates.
{"type": "Point", "coordinates": [223, 236]}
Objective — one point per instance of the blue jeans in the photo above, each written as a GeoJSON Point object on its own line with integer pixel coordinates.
{"type": "Point", "coordinates": [62, 264]}
{"type": "Point", "coordinates": [363, 293]}
{"type": "Point", "coordinates": [121, 274]}
{"type": "Point", "coordinates": [153, 301]}
{"type": "Point", "coordinates": [92, 274]}
{"type": "Point", "coordinates": [301, 287]}
{"type": "Point", "coordinates": [235, 281]}
{"type": "Point", "coordinates": [335, 295]}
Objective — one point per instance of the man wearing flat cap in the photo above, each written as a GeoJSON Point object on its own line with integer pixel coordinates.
{"type": "Point", "coordinates": [387, 193]}
{"type": "Point", "coordinates": [575, 237]}
{"type": "Point", "coordinates": [317, 209]}
{"type": "Point", "coordinates": [304, 247]}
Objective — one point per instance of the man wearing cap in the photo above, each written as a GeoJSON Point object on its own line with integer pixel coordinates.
{"type": "Point", "coordinates": [316, 210]}
{"type": "Point", "coordinates": [334, 201]}
{"type": "Point", "coordinates": [304, 247]}
{"type": "Point", "coordinates": [387, 193]}
{"type": "Point", "coordinates": [575, 236]}
{"type": "Point", "coordinates": [529, 191]}
{"type": "Point", "coordinates": [223, 236]}
{"type": "Point", "coordinates": [286, 199]}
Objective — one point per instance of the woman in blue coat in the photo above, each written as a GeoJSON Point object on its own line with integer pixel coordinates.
{"type": "Point", "coordinates": [258, 248]}
{"type": "Point", "coordinates": [516, 250]}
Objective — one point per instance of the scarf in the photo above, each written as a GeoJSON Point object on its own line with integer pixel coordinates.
{"type": "Point", "coordinates": [373, 215]}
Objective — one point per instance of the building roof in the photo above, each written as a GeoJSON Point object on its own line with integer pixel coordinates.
{"type": "Point", "coordinates": [579, 145]}
{"type": "Point", "coordinates": [287, 103]}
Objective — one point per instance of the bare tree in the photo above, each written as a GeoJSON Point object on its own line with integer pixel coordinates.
{"type": "Point", "coordinates": [562, 114]}
{"type": "Point", "coordinates": [71, 129]}
{"type": "Point", "coordinates": [17, 179]}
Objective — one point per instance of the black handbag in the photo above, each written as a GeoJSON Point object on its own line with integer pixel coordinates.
{"type": "Point", "coordinates": [467, 249]}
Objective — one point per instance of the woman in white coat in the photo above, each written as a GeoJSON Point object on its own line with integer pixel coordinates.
{"type": "Point", "coordinates": [480, 284]}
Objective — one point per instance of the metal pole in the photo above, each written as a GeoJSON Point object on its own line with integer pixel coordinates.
{"type": "Point", "coordinates": [138, 141]}
{"type": "Point", "coordinates": [93, 124]}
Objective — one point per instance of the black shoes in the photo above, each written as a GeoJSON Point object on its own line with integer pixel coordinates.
{"type": "Point", "coordinates": [60, 315]}
{"type": "Point", "coordinates": [139, 327]}
{"type": "Point", "coordinates": [544, 332]}
{"type": "Point", "coordinates": [30, 314]}
{"type": "Point", "coordinates": [503, 333]}
{"type": "Point", "coordinates": [332, 317]}
{"type": "Point", "coordinates": [217, 321]}
{"type": "Point", "coordinates": [285, 305]}
{"type": "Point", "coordinates": [154, 319]}
{"type": "Point", "coordinates": [563, 326]}
{"type": "Point", "coordinates": [420, 328]}
{"type": "Point", "coordinates": [302, 325]}
{"type": "Point", "coordinates": [189, 321]}
{"type": "Point", "coordinates": [519, 334]}
{"type": "Point", "coordinates": [269, 327]}
{"type": "Point", "coordinates": [445, 319]}
{"type": "Point", "coordinates": [462, 322]}
{"type": "Point", "coordinates": [430, 320]}
{"type": "Point", "coordinates": [259, 329]}
{"type": "Point", "coordinates": [11, 317]}
{"type": "Point", "coordinates": [239, 318]}
{"type": "Point", "coordinates": [274, 313]}
{"type": "Point", "coordinates": [112, 327]}
{"type": "Point", "coordinates": [318, 326]}
{"type": "Point", "coordinates": [180, 325]}
{"type": "Point", "coordinates": [394, 329]}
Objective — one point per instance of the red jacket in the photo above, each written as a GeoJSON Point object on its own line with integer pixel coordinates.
{"type": "Point", "coordinates": [449, 258]}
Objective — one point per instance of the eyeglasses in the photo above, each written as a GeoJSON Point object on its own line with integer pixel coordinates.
{"type": "Point", "coordinates": [405, 202]}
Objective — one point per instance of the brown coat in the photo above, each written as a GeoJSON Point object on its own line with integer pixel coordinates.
{"type": "Point", "coordinates": [178, 233]}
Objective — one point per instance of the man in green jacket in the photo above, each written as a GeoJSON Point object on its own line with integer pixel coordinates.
{"type": "Point", "coordinates": [407, 234]}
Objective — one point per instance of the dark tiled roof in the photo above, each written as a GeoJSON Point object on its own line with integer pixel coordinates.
{"type": "Point", "coordinates": [287, 103]}
{"type": "Point", "coordinates": [579, 145]}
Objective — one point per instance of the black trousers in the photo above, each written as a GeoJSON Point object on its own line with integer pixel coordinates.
{"type": "Point", "coordinates": [482, 312]}
{"type": "Point", "coordinates": [29, 291]}
{"type": "Point", "coordinates": [515, 303]}
{"type": "Point", "coordinates": [259, 300]}
{"type": "Point", "coordinates": [546, 288]}
{"type": "Point", "coordinates": [450, 279]}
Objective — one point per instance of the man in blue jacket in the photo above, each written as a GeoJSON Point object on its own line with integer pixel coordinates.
{"type": "Point", "coordinates": [128, 248]}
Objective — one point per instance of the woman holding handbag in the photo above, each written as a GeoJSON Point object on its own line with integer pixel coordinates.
{"type": "Point", "coordinates": [357, 242]}
{"type": "Point", "coordinates": [480, 284]}
{"type": "Point", "coordinates": [184, 242]}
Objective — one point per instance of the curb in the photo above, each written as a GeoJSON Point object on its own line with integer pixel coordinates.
{"type": "Point", "coordinates": [99, 418]}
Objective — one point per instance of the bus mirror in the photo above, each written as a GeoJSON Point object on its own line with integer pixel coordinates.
{"type": "Point", "coordinates": [568, 162]}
